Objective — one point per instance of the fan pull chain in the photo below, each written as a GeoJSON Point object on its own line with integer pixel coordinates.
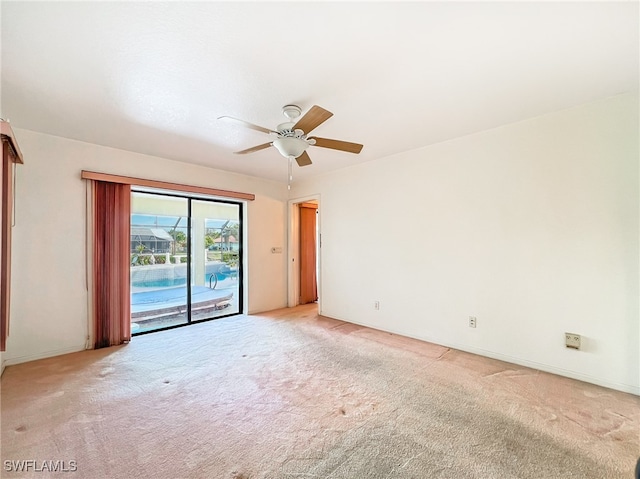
{"type": "Point", "coordinates": [290, 172]}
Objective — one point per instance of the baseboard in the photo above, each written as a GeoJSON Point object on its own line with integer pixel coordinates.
{"type": "Point", "coordinates": [627, 388]}
{"type": "Point", "coordinates": [47, 354]}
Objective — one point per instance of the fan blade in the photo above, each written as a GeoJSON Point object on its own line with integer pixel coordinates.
{"type": "Point", "coordinates": [314, 117]}
{"type": "Point", "coordinates": [303, 160]}
{"type": "Point", "coordinates": [255, 148]}
{"type": "Point", "coordinates": [248, 125]}
{"type": "Point", "coordinates": [338, 145]}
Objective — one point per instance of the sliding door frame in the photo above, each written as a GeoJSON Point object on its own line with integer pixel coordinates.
{"type": "Point", "coordinates": [241, 205]}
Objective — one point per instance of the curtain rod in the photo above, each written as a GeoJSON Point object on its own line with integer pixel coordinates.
{"type": "Point", "coordinates": [129, 180]}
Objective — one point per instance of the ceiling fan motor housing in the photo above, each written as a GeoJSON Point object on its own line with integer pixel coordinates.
{"type": "Point", "coordinates": [291, 142]}
{"type": "Point", "coordinates": [286, 129]}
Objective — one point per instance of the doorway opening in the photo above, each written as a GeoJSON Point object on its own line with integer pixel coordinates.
{"type": "Point", "coordinates": [305, 252]}
{"type": "Point", "coordinates": [186, 260]}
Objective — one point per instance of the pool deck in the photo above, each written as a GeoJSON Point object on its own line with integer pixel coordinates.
{"type": "Point", "coordinates": [170, 301]}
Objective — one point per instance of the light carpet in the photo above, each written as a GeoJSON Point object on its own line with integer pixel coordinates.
{"type": "Point", "coordinates": [289, 394]}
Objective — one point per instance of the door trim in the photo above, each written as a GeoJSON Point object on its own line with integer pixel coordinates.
{"type": "Point", "coordinates": [293, 254]}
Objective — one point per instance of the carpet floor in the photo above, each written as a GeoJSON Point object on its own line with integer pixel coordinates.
{"type": "Point", "coordinates": [290, 394]}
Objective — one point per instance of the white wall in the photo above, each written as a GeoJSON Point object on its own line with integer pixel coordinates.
{"type": "Point", "coordinates": [49, 297]}
{"type": "Point", "coordinates": [531, 227]}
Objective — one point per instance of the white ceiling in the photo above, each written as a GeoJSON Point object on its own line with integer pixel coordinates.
{"type": "Point", "coordinates": [152, 77]}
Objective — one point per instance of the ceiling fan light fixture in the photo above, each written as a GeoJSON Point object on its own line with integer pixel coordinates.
{"type": "Point", "coordinates": [290, 146]}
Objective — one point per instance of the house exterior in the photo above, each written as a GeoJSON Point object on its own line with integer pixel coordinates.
{"type": "Point", "coordinates": [154, 240]}
{"type": "Point", "coordinates": [226, 243]}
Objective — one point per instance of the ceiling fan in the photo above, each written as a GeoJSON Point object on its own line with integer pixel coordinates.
{"type": "Point", "coordinates": [293, 136]}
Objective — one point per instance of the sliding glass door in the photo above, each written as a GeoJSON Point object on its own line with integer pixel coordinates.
{"type": "Point", "coordinates": [186, 261]}
{"type": "Point", "coordinates": [215, 283]}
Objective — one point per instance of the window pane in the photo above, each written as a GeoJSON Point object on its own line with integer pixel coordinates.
{"type": "Point", "coordinates": [158, 262]}
{"type": "Point", "coordinates": [216, 249]}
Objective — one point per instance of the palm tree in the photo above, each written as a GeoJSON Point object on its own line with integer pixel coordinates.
{"type": "Point", "coordinates": [232, 229]}
{"type": "Point", "coordinates": [210, 237]}
{"type": "Point", "coordinates": [179, 239]}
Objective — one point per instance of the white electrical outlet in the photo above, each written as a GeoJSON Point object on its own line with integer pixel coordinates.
{"type": "Point", "coordinates": [572, 340]}
{"type": "Point", "coordinates": [472, 321]}
{"type": "Point", "coordinates": [376, 305]}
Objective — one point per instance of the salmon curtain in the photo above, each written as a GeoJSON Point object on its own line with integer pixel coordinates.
{"type": "Point", "coordinates": [110, 290]}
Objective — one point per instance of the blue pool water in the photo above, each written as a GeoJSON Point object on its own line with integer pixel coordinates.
{"type": "Point", "coordinates": [171, 301]}
{"type": "Point", "coordinates": [168, 282]}
{"type": "Point", "coordinates": [161, 283]}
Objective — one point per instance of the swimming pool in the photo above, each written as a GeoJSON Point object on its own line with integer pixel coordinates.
{"type": "Point", "coordinates": [180, 281]}
{"type": "Point", "coordinates": [172, 301]}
